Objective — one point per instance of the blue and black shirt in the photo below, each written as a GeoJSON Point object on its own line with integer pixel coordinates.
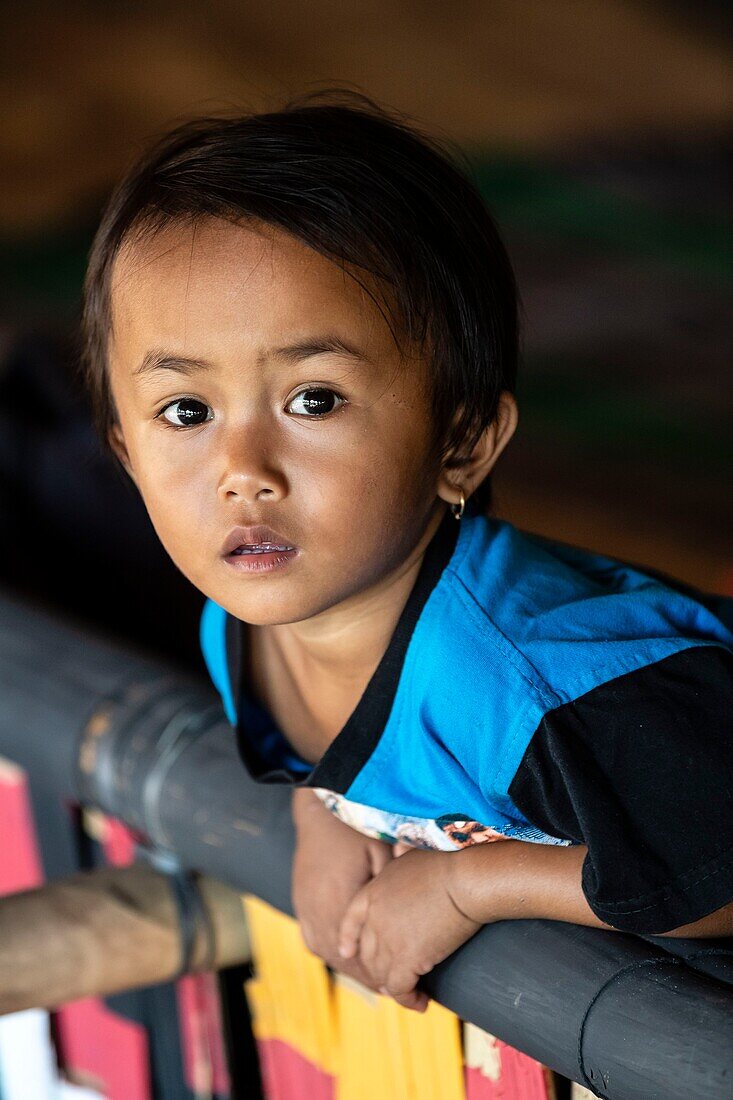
{"type": "Point", "coordinates": [534, 691]}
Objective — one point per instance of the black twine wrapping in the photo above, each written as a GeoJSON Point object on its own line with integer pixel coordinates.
{"type": "Point", "coordinates": [192, 914]}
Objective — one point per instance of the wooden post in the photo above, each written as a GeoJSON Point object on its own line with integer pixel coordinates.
{"type": "Point", "coordinates": [106, 931]}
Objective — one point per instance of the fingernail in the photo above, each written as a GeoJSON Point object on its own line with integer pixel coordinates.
{"type": "Point", "coordinates": [343, 951]}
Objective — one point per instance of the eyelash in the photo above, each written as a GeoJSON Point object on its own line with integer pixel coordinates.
{"type": "Point", "coordinates": [307, 389]}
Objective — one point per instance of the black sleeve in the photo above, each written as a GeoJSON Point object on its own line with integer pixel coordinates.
{"type": "Point", "coordinates": [640, 770]}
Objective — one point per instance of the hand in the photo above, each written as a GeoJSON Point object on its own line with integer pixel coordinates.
{"type": "Point", "coordinates": [332, 861]}
{"type": "Point", "coordinates": [404, 922]}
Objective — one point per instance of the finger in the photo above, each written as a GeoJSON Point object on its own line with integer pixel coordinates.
{"type": "Point", "coordinates": [355, 970]}
{"type": "Point", "coordinates": [352, 923]}
{"type": "Point", "coordinates": [368, 949]}
{"type": "Point", "coordinates": [400, 848]}
{"type": "Point", "coordinates": [379, 856]}
{"type": "Point", "coordinates": [399, 979]}
{"type": "Point", "coordinates": [415, 1000]}
{"type": "Point", "coordinates": [375, 957]}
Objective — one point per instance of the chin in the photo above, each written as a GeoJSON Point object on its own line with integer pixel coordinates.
{"type": "Point", "coordinates": [272, 612]}
{"type": "Point", "coordinates": [278, 612]}
{"type": "Point", "coordinates": [276, 601]}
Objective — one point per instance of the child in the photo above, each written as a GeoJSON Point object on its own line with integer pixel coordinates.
{"type": "Point", "coordinates": [301, 335]}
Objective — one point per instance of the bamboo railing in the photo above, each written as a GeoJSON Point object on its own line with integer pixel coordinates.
{"type": "Point", "coordinates": [109, 728]}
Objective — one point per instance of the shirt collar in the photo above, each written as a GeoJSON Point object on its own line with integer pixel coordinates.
{"type": "Point", "coordinates": [353, 745]}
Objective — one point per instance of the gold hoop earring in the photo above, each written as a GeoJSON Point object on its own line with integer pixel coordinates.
{"type": "Point", "coordinates": [458, 509]}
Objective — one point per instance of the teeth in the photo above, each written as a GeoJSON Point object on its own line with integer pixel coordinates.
{"type": "Point", "coordinates": [264, 548]}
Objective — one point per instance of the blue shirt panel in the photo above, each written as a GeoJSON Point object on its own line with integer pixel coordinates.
{"type": "Point", "coordinates": [514, 628]}
{"type": "Point", "coordinates": [272, 744]}
{"type": "Point", "coordinates": [213, 646]}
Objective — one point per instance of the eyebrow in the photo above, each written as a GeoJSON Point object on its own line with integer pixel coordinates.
{"type": "Point", "coordinates": [158, 359]}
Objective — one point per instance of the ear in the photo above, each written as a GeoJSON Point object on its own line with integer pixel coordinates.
{"type": "Point", "coordinates": [467, 473]}
{"type": "Point", "coordinates": [117, 444]}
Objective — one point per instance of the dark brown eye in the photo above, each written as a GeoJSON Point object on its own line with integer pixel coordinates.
{"type": "Point", "coordinates": [188, 412]}
{"type": "Point", "coordinates": [314, 402]}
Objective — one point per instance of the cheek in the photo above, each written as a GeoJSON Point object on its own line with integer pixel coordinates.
{"type": "Point", "coordinates": [373, 474]}
{"type": "Point", "coordinates": [175, 487]}
{"type": "Point", "coordinates": [377, 492]}
{"type": "Point", "coordinates": [171, 471]}
{"type": "Point", "coordinates": [396, 465]}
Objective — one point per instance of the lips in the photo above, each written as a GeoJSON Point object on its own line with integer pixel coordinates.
{"type": "Point", "coordinates": [257, 539]}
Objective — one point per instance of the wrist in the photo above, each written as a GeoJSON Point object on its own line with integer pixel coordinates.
{"type": "Point", "coordinates": [304, 802]}
{"type": "Point", "coordinates": [514, 879]}
{"type": "Point", "coordinates": [478, 881]}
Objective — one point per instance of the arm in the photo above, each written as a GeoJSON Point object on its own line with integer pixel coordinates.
{"type": "Point", "coordinates": [513, 879]}
{"type": "Point", "coordinates": [424, 905]}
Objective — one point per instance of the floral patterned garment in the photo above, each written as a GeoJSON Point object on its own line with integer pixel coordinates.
{"type": "Point", "coordinates": [445, 834]}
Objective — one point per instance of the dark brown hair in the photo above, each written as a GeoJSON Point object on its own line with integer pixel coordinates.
{"type": "Point", "coordinates": [364, 188]}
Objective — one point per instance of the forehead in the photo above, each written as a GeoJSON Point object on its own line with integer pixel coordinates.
{"type": "Point", "coordinates": [215, 280]}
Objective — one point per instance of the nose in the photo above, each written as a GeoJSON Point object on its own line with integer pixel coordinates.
{"type": "Point", "coordinates": [251, 473]}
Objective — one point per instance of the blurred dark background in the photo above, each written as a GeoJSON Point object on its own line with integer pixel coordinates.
{"type": "Point", "coordinates": [599, 133]}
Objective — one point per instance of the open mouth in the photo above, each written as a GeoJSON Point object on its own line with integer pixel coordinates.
{"type": "Point", "coordinates": [258, 549]}
{"type": "Point", "coordinates": [255, 539]}
{"type": "Point", "coordinates": [263, 548]}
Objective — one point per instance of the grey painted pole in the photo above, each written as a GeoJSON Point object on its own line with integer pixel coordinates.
{"type": "Point", "coordinates": [632, 1018]}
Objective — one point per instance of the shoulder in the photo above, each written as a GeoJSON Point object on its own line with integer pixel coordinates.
{"type": "Point", "coordinates": [519, 628]}
{"type": "Point", "coordinates": [576, 618]}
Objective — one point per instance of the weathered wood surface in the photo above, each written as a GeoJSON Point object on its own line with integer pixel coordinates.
{"type": "Point", "coordinates": [107, 931]}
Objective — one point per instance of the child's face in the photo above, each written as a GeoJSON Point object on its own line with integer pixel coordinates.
{"type": "Point", "coordinates": [354, 490]}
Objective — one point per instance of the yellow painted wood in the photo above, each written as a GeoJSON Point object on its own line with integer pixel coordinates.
{"type": "Point", "coordinates": [291, 997]}
{"type": "Point", "coordinates": [371, 1045]}
{"type": "Point", "coordinates": [391, 1052]}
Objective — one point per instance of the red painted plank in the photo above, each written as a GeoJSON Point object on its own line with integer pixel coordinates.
{"type": "Point", "coordinates": [20, 864]}
{"type": "Point", "coordinates": [287, 1075]}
